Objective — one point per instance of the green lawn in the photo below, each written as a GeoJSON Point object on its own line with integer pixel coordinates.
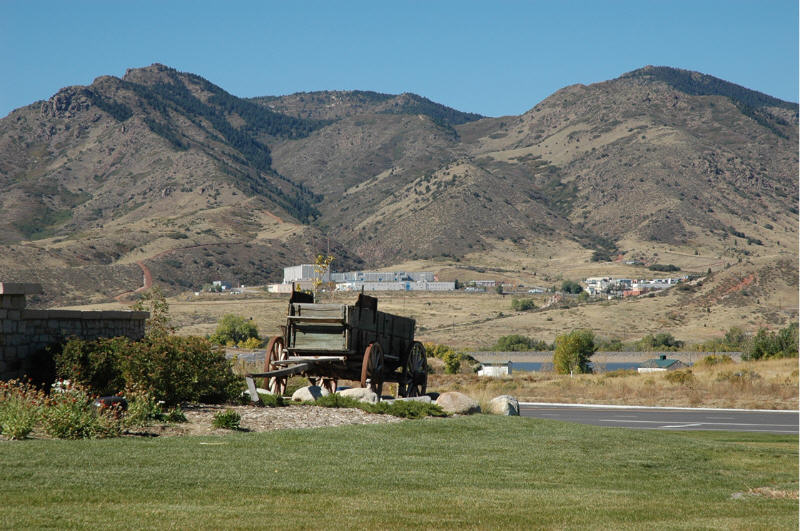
{"type": "Point", "coordinates": [473, 472]}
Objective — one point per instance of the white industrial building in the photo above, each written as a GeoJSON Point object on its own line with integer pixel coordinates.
{"type": "Point", "coordinates": [382, 276]}
{"type": "Point", "coordinates": [303, 275]}
{"type": "Point", "coordinates": [302, 272]}
{"type": "Point", "coordinates": [396, 286]}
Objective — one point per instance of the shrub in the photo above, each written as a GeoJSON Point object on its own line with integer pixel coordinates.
{"type": "Point", "coordinates": [20, 408]}
{"type": "Point", "coordinates": [570, 286]}
{"type": "Point", "coordinates": [573, 351]}
{"type": "Point", "coordinates": [181, 369]}
{"type": "Point", "coordinates": [250, 343]}
{"type": "Point", "coordinates": [452, 362]}
{"type": "Point", "coordinates": [176, 415]}
{"type": "Point", "coordinates": [735, 340]}
{"type": "Point", "coordinates": [95, 365]}
{"type": "Point", "coordinates": [160, 322]}
{"type": "Point", "coordinates": [766, 345]}
{"type": "Point", "coordinates": [411, 409]}
{"type": "Point", "coordinates": [70, 414]}
{"type": "Point", "coordinates": [337, 400]}
{"type": "Point", "coordinates": [234, 329]}
{"type": "Point", "coordinates": [522, 305]}
{"type": "Point", "coordinates": [408, 409]}
{"type": "Point", "coordinates": [143, 408]}
{"type": "Point", "coordinates": [684, 377]}
{"type": "Point", "coordinates": [270, 400]}
{"type": "Point", "coordinates": [170, 368]}
{"type": "Point", "coordinates": [714, 359]}
{"type": "Point", "coordinates": [664, 267]}
{"type": "Point", "coordinates": [515, 343]}
{"type": "Point", "coordinates": [452, 358]}
{"type": "Point", "coordinates": [661, 341]}
{"type": "Point", "coordinates": [227, 420]}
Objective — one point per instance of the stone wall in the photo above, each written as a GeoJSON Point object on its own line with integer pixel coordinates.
{"type": "Point", "coordinates": [25, 334]}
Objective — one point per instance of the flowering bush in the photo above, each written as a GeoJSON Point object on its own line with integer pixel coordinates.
{"type": "Point", "coordinates": [142, 409]}
{"type": "Point", "coordinates": [70, 414]}
{"type": "Point", "coordinates": [20, 408]}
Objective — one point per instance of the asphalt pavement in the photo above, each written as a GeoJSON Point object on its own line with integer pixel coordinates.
{"type": "Point", "coordinates": [766, 421]}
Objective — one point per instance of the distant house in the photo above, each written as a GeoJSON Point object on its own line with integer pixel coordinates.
{"type": "Point", "coordinates": [660, 364]}
{"type": "Point", "coordinates": [502, 368]}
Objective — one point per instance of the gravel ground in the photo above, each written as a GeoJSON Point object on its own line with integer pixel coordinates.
{"type": "Point", "coordinates": [260, 419]}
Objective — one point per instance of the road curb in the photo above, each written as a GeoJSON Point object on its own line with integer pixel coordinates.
{"type": "Point", "coordinates": [619, 406]}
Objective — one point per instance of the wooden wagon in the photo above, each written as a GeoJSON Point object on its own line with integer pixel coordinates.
{"type": "Point", "coordinates": [329, 342]}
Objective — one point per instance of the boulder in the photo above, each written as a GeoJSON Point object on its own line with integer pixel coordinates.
{"type": "Point", "coordinates": [362, 394]}
{"type": "Point", "coordinates": [457, 403]}
{"type": "Point", "coordinates": [504, 405]}
{"type": "Point", "coordinates": [309, 393]}
{"type": "Point", "coordinates": [424, 398]}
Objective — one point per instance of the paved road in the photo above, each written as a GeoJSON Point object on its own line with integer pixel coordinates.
{"type": "Point", "coordinates": [668, 419]}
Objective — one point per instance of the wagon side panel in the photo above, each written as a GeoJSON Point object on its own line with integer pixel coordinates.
{"type": "Point", "coordinates": [317, 328]}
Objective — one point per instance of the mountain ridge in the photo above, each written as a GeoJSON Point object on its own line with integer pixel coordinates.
{"type": "Point", "coordinates": [127, 168]}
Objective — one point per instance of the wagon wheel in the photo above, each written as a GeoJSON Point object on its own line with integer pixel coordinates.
{"type": "Point", "coordinates": [372, 368]}
{"type": "Point", "coordinates": [325, 382]}
{"type": "Point", "coordinates": [414, 381]}
{"type": "Point", "coordinates": [275, 352]}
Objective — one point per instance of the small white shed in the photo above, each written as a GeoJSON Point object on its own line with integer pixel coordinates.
{"type": "Point", "coordinates": [495, 368]}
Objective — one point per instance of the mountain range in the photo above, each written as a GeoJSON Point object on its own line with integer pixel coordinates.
{"type": "Point", "coordinates": [166, 170]}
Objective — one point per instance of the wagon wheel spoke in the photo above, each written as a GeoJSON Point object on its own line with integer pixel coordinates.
{"type": "Point", "coordinates": [372, 368]}
{"type": "Point", "coordinates": [275, 352]}
{"type": "Point", "coordinates": [415, 372]}
{"type": "Point", "coordinates": [324, 382]}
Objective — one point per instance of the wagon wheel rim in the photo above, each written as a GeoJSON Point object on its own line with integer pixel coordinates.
{"type": "Point", "coordinates": [415, 372]}
{"type": "Point", "coordinates": [275, 352]}
{"type": "Point", "coordinates": [372, 368]}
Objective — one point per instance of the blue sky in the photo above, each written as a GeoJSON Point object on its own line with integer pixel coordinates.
{"type": "Point", "coordinates": [492, 57]}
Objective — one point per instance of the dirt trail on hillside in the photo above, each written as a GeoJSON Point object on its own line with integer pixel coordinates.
{"type": "Point", "coordinates": [147, 276]}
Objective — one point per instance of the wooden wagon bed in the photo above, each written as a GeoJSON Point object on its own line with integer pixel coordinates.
{"type": "Point", "coordinates": [328, 342]}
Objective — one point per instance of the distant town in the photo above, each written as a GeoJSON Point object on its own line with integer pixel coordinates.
{"type": "Point", "coordinates": [306, 276]}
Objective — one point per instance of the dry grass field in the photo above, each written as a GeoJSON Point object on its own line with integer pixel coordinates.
{"type": "Point", "coordinates": [771, 384]}
{"type": "Point", "coordinates": [761, 293]}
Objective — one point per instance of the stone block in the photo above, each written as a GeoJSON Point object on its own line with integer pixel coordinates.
{"type": "Point", "coordinates": [35, 314]}
{"type": "Point", "coordinates": [9, 327]}
{"type": "Point", "coordinates": [15, 302]}
{"type": "Point", "coordinates": [20, 288]}
{"type": "Point", "coordinates": [65, 314]}
{"type": "Point", "coordinates": [13, 315]}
